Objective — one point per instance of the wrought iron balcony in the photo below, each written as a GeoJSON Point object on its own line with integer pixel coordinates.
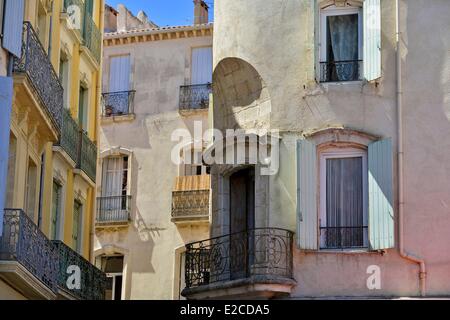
{"type": "Point", "coordinates": [190, 205]}
{"type": "Point", "coordinates": [35, 64]}
{"type": "Point", "coordinates": [93, 280]}
{"type": "Point", "coordinates": [113, 210]}
{"type": "Point", "coordinates": [265, 252]}
{"type": "Point", "coordinates": [340, 71]}
{"type": "Point", "coordinates": [87, 156]}
{"type": "Point", "coordinates": [69, 139]}
{"type": "Point", "coordinates": [195, 97]}
{"type": "Point", "coordinates": [92, 37]}
{"type": "Point", "coordinates": [23, 242]}
{"type": "Point", "coordinates": [118, 103]}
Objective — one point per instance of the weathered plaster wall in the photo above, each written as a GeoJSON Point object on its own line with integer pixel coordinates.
{"type": "Point", "coordinates": [159, 68]}
{"type": "Point", "coordinates": [277, 39]}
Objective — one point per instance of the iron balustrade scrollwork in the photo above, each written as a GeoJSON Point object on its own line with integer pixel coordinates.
{"type": "Point", "coordinates": [343, 237]}
{"type": "Point", "coordinates": [69, 139]}
{"type": "Point", "coordinates": [113, 209]}
{"type": "Point", "coordinates": [87, 156]}
{"type": "Point", "coordinates": [92, 281]}
{"type": "Point", "coordinates": [92, 37]}
{"type": "Point", "coordinates": [36, 65]}
{"type": "Point", "coordinates": [337, 71]}
{"type": "Point", "coordinates": [118, 103]}
{"type": "Point", "coordinates": [23, 242]}
{"type": "Point", "coordinates": [258, 252]}
{"type": "Point", "coordinates": [195, 96]}
{"type": "Point", "coordinates": [193, 203]}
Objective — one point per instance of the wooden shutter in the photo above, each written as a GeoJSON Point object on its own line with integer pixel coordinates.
{"type": "Point", "coordinates": [307, 195]}
{"type": "Point", "coordinates": [77, 211]}
{"type": "Point", "coordinates": [372, 39]}
{"type": "Point", "coordinates": [119, 74]}
{"type": "Point", "coordinates": [381, 212]}
{"type": "Point", "coordinates": [13, 23]}
{"type": "Point", "coordinates": [6, 91]}
{"type": "Point", "coordinates": [201, 65]}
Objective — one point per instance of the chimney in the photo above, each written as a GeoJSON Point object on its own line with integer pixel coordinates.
{"type": "Point", "coordinates": [200, 12]}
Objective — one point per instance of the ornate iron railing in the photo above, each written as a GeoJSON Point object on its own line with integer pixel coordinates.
{"type": "Point", "coordinates": [92, 37]}
{"type": "Point", "coordinates": [343, 237]}
{"type": "Point", "coordinates": [190, 204]}
{"type": "Point", "coordinates": [118, 103]}
{"type": "Point", "coordinates": [338, 71]}
{"type": "Point", "coordinates": [113, 209]}
{"type": "Point", "coordinates": [69, 139]}
{"type": "Point", "coordinates": [195, 96]}
{"type": "Point", "coordinates": [92, 282]}
{"type": "Point", "coordinates": [22, 241]}
{"type": "Point", "coordinates": [87, 156]}
{"type": "Point", "coordinates": [36, 65]}
{"type": "Point", "coordinates": [258, 252]}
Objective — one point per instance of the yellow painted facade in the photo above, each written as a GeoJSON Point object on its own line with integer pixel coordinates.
{"type": "Point", "coordinates": [38, 164]}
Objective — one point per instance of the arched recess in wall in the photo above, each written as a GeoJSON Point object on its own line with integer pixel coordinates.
{"type": "Point", "coordinates": [241, 97]}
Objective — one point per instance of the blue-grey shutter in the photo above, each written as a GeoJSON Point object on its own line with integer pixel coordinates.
{"type": "Point", "coordinates": [307, 195]}
{"type": "Point", "coordinates": [6, 91]}
{"type": "Point", "coordinates": [381, 208]}
{"type": "Point", "coordinates": [13, 22]}
{"type": "Point", "coordinates": [372, 39]}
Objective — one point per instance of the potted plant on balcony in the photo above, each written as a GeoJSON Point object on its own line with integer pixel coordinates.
{"type": "Point", "coordinates": [108, 111]}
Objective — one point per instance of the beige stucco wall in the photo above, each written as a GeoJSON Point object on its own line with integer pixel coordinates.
{"type": "Point", "coordinates": [277, 39]}
{"type": "Point", "coordinates": [158, 69]}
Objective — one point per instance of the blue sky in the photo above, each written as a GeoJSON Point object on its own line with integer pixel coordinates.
{"type": "Point", "coordinates": [164, 12]}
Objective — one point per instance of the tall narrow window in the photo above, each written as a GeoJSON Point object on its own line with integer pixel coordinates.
{"type": "Point", "coordinates": [64, 78]}
{"type": "Point", "coordinates": [10, 183]}
{"type": "Point", "coordinates": [341, 47]}
{"type": "Point", "coordinates": [118, 101]}
{"type": "Point", "coordinates": [201, 66]}
{"type": "Point", "coordinates": [83, 108]}
{"type": "Point", "coordinates": [343, 222]}
{"type": "Point", "coordinates": [31, 188]}
{"type": "Point", "coordinates": [56, 210]}
{"type": "Point", "coordinates": [76, 226]}
{"type": "Point", "coordinates": [113, 267]}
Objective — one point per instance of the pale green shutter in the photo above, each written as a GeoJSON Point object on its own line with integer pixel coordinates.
{"type": "Point", "coordinates": [307, 195]}
{"type": "Point", "coordinates": [381, 211]}
{"type": "Point", "coordinates": [372, 39]}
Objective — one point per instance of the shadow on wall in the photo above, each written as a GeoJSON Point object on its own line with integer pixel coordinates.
{"type": "Point", "coordinates": [241, 98]}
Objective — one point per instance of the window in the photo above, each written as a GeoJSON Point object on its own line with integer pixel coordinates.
{"type": "Point", "coordinates": [201, 66]}
{"type": "Point", "coordinates": [341, 44]}
{"type": "Point", "coordinates": [192, 163]}
{"type": "Point", "coordinates": [56, 211]}
{"type": "Point", "coordinates": [83, 108]}
{"type": "Point", "coordinates": [77, 226]}
{"type": "Point", "coordinates": [10, 183]}
{"type": "Point", "coordinates": [344, 195]}
{"type": "Point", "coordinates": [343, 199]}
{"type": "Point", "coordinates": [113, 267]}
{"type": "Point", "coordinates": [64, 78]}
{"type": "Point", "coordinates": [31, 189]}
{"type": "Point", "coordinates": [350, 41]}
{"type": "Point", "coordinates": [118, 101]}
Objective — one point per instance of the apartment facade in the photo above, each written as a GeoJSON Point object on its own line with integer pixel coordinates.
{"type": "Point", "coordinates": [355, 204]}
{"type": "Point", "coordinates": [52, 156]}
{"type": "Point", "coordinates": [156, 80]}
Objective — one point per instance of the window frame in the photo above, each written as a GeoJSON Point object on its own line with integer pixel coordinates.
{"type": "Point", "coordinates": [342, 153]}
{"type": "Point", "coordinates": [336, 11]}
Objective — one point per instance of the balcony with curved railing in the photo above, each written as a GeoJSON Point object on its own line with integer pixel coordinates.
{"type": "Point", "coordinates": [117, 104]}
{"type": "Point", "coordinates": [247, 263]}
{"type": "Point", "coordinates": [29, 260]}
{"type": "Point", "coordinates": [194, 97]}
{"type": "Point", "coordinates": [92, 282]}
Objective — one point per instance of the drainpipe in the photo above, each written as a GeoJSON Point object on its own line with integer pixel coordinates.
{"type": "Point", "coordinates": [401, 201]}
{"type": "Point", "coordinates": [98, 91]}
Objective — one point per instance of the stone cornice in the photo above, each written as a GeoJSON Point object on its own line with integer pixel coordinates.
{"type": "Point", "coordinates": [158, 34]}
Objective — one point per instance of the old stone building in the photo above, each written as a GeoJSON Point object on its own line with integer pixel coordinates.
{"type": "Point", "coordinates": [156, 80]}
{"type": "Point", "coordinates": [356, 96]}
